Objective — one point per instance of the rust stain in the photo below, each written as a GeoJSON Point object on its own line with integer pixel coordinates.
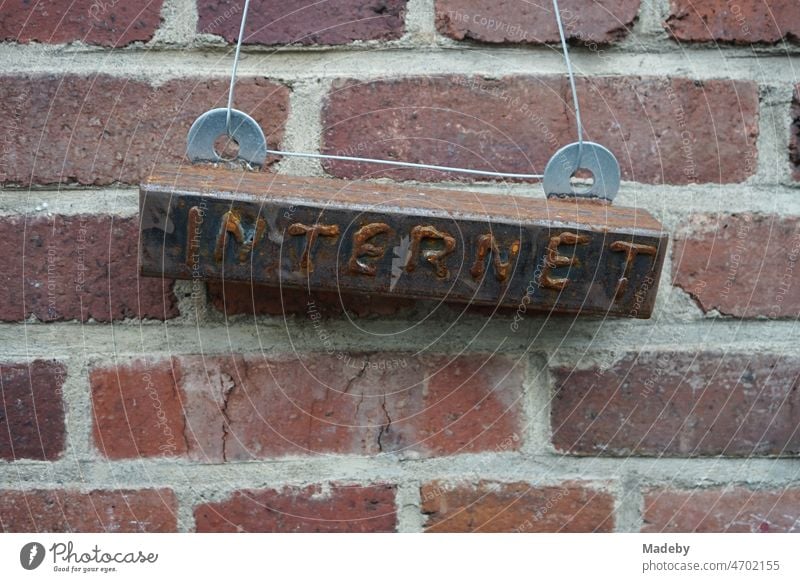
{"type": "Point", "coordinates": [486, 244]}
{"type": "Point", "coordinates": [311, 233]}
{"type": "Point", "coordinates": [631, 250]}
{"type": "Point", "coordinates": [435, 258]}
{"type": "Point", "coordinates": [232, 225]}
{"type": "Point", "coordinates": [361, 248]}
{"type": "Point", "coordinates": [553, 259]}
{"type": "Point", "coordinates": [193, 235]}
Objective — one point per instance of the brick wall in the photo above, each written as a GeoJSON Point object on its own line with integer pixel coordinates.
{"type": "Point", "coordinates": [149, 405]}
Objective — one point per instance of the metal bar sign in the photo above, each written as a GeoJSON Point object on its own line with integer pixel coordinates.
{"type": "Point", "coordinates": [560, 255]}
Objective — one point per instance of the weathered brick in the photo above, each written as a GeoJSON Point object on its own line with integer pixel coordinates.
{"type": "Point", "coordinates": [31, 410]}
{"type": "Point", "coordinates": [511, 21]}
{"type": "Point", "coordinates": [112, 24]}
{"type": "Point", "coordinates": [741, 22]}
{"type": "Point", "coordinates": [118, 510]}
{"type": "Point", "coordinates": [95, 130]}
{"type": "Point", "coordinates": [241, 408]}
{"type": "Point", "coordinates": [675, 131]}
{"type": "Point", "coordinates": [304, 22]}
{"type": "Point", "coordinates": [680, 404]}
{"type": "Point", "coordinates": [77, 267]}
{"type": "Point", "coordinates": [516, 507]}
{"type": "Point", "coordinates": [742, 265]}
{"type": "Point", "coordinates": [722, 510]}
{"type": "Point", "coordinates": [233, 298]}
{"type": "Point", "coordinates": [315, 508]}
{"type": "Point", "coordinates": [359, 404]}
{"type": "Point", "coordinates": [137, 411]}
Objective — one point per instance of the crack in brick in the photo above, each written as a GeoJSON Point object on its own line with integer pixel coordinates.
{"type": "Point", "coordinates": [358, 406]}
{"type": "Point", "coordinates": [350, 383]}
{"type": "Point", "coordinates": [385, 427]}
{"type": "Point", "coordinates": [360, 374]}
{"type": "Point", "coordinates": [185, 424]}
{"type": "Point", "coordinates": [227, 386]}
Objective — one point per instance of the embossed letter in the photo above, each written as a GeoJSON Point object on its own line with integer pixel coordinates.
{"type": "Point", "coordinates": [486, 244]}
{"type": "Point", "coordinates": [361, 248]}
{"type": "Point", "coordinates": [631, 250]}
{"type": "Point", "coordinates": [437, 259]}
{"type": "Point", "coordinates": [232, 224]}
{"type": "Point", "coordinates": [311, 233]}
{"type": "Point", "coordinates": [553, 259]}
{"type": "Point", "coordinates": [193, 236]}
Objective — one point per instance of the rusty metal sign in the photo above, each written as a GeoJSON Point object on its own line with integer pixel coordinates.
{"type": "Point", "coordinates": [569, 255]}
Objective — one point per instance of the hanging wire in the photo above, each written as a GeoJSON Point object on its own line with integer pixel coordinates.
{"type": "Point", "coordinates": [235, 66]}
{"type": "Point", "coordinates": [407, 165]}
{"type": "Point", "coordinates": [570, 73]}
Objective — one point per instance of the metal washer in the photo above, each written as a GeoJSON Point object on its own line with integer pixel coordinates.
{"type": "Point", "coordinates": [212, 124]}
{"type": "Point", "coordinates": [595, 158]}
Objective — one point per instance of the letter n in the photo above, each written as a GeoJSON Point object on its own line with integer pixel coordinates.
{"type": "Point", "coordinates": [232, 225]}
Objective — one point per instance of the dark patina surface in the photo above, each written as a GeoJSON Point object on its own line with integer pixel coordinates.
{"type": "Point", "coordinates": [560, 255]}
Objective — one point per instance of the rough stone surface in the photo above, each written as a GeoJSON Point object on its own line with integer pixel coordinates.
{"type": "Point", "coordinates": [315, 508]}
{"type": "Point", "coordinates": [722, 510]}
{"type": "Point", "coordinates": [744, 265]}
{"type": "Point", "coordinates": [516, 507]}
{"type": "Point", "coordinates": [70, 511]}
{"type": "Point", "coordinates": [77, 268]}
{"type": "Point", "coordinates": [96, 130]}
{"type": "Point", "coordinates": [304, 22]}
{"type": "Point", "coordinates": [512, 21]}
{"type": "Point", "coordinates": [680, 404]}
{"type": "Point", "coordinates": [110, 24]}
{"type": "Point", "coordinates": [674, 131]}
{"type": "Point", "coordinates": [31, 411]}
{"type": "Point", "coordinates": [741, 22]}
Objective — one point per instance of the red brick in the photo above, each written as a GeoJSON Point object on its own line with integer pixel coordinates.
{"type": "Point", "coordinates": [516, 507]}
{"type": "Point", "coordinates": [31, 410]}
{"type": "Point", "coordinates": [516, 124]}
{"type": "Point", "coordinates": [241, 408]}
{"type": "Point", "coordinates": [96, 130]}
{"type": "Point", "coordinates": [722, 510]}
{"type": "Point", "coordinates": [741, 22]}
{"type": "Point", "coordinates": [680, 404]}
{"type": "Point", "coordinates": [315, 508]}
{"type": "Point", "coordinates": [304, 22]}
{"type": "Point", "coordinates": [70, 511]}
{"type": "Point", "coordinates": [742, 265]}
{"type": "Point", "coordinates": [137, 411]}
{"type": "Point", "coordinates": [109, 23]}
{"type": "Point", "coordinates": [511, 21]}
{"type": "Point", "coordinates": [244, 299]}
{"type": "Point", "coordinates": [323, 404]}
{"type": "Point", "coordinates": [77, 267]}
